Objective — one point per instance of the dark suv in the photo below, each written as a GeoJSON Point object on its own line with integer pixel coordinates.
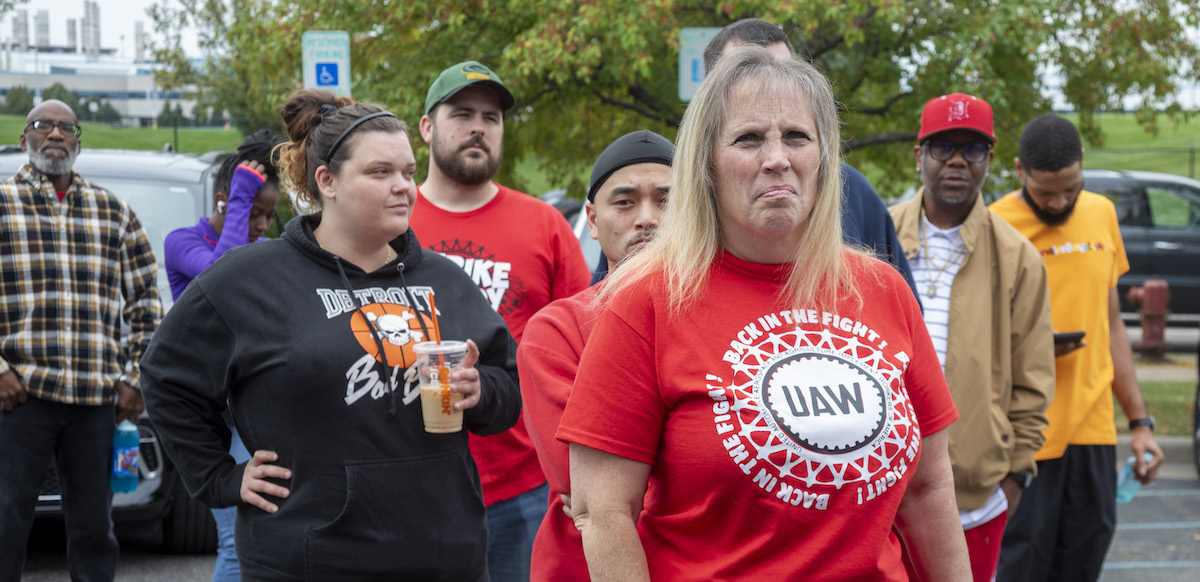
{"type": "Point", "coordinates": [1160, 223]}
{"type": "Point", "coordinates": [167, 191]}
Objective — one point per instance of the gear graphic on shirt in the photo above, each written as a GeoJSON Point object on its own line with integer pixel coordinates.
{"type": "Point", "coordinates": [462, 248]}
{"type": "Point", "coordinates": [513, 297]}
{"type": "Point", "coordinates": [842, 410]}
{"type": "Point", "coordinates": [838, 450]}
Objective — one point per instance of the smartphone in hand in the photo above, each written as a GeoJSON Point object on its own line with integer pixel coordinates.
{"type": "Point", "coordinates": [1068, 337]}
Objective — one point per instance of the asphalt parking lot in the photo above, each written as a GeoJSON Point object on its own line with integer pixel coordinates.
{"type": "Point", "coordinates": [1158, 532]}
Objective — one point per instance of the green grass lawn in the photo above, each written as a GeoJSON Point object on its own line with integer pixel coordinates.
{"type": "Point", "coordinates": [1128, 147]}
{"type": "Point", "coordinates": [102, 135]}
{"type": "Point", "coordinates": [1171, 403]}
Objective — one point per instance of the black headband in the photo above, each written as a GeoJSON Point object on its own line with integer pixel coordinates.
{"type": "Point", "coordinates": [357, 122]}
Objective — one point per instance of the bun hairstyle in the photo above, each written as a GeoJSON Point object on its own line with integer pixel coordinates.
{"type": "Point", "coordinates": [317, 124]}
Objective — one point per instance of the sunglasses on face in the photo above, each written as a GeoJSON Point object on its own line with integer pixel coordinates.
{"type": "Point", "coordinates": [44, 127]}
{"type": "Point", "coordinates": [943, 150]}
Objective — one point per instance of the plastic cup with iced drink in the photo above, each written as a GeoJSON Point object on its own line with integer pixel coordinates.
{"type": "Point", "coordinates": [435, 361]}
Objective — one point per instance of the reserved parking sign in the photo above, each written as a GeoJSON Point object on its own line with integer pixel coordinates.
{"type": "Point", "coordinates": [327, 61]}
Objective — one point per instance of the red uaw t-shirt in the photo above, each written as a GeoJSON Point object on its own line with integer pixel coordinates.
{"type": "Point", "coordinates": [782, 440]}
{"type": "Point", "coordinates": [523, 255]}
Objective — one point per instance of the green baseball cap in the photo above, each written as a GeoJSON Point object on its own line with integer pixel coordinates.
{"type": "Point", "coordinates": [452, 81]}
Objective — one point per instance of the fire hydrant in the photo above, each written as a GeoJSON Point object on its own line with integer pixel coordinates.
{"type": "Point", "coordinates": [1151, 299]}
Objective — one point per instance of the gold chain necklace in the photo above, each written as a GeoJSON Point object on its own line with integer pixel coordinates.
{"type": "Point", "coordinates": [959, 249]}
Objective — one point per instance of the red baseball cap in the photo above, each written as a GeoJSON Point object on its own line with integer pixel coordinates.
{"type": "Point", "coordinates": [957, 111]}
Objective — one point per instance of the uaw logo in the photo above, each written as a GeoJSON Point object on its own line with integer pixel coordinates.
{"type": "Point", "coordinates": [809, 413]}
{"type": "Point", "coordinates": [957, 111]}
{"type": "Point", "coordinates": [824, 402]}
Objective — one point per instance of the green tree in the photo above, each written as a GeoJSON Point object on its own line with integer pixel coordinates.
{"type": "Point", "coordinates": [199, 116]}
{"type": "Point", "coordinates": [106, 113]}
{"type": "Point", "coordinates": [171, 116]}
{"type": "Point", "coordinates": [586, 71]}
{"type": "Point", "coordinates": [249, 85]}
{"type": "Point", "coordinates": [18, 100]}
{"type": "Point", "coordinates": [71, 98]}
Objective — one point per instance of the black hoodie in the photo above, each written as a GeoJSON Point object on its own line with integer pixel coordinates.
{"type": "Point", "coordinates": [272, 329]}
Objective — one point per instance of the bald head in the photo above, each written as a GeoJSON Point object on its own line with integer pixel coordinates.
{"type": "Point", "coordinates": [51, 107]}
{"type": "Point", "coordinates": [51, 137]}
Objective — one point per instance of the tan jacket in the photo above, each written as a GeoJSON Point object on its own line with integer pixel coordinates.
{"type": "Point", "coordinates": [1000, 351]}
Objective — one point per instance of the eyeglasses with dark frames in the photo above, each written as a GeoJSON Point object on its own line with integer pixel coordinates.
{"type": "Point", "coordinates": [943, 150]}
{"type": "Point", "coordinates": [45, 127]}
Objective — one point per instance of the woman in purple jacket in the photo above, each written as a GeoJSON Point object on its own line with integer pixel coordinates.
{"type": "Point", "coordinates": [247, 186]}
{"type": "Point", "coordinates": [247, 190]}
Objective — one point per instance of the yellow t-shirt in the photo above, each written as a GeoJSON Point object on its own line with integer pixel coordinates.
{"type": "Point", "coordinates": [1084, 257]}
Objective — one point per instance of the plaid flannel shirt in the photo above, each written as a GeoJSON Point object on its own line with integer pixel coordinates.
{"type": "Point", "coordinates": [69, 271]}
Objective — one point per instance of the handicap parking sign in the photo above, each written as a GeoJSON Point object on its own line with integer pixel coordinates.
{"type": "Point", "coordinates": [326, 61]}
{"type": "Point", "coordinates": [327, 74]}
{"type": "Point", "coordinates": [692, 42]}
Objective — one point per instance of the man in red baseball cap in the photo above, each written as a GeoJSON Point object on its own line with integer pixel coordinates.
{"type": "Point", "coordinates": [984, 292]}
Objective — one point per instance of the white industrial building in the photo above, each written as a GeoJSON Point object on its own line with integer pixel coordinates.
{"type": "Point", "coordinates": [86, 68]}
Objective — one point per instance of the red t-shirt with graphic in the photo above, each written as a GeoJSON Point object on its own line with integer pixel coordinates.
{"type": "Point", "coordinates": [523, 255]}
{"type": "Point", "coordinates": [781, 440]}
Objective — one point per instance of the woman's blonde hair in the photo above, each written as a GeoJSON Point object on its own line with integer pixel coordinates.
{"type": "Point", "coordinates": [690, 234]}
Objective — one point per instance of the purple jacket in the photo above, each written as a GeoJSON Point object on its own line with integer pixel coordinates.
{"type": "Point", "coordinates": [191, 250]}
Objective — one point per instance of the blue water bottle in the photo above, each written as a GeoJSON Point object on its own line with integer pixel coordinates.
{"type": "Point", "coordinates": [124, 476]}
{"type": "Point", "coordinates": [1127, 483]}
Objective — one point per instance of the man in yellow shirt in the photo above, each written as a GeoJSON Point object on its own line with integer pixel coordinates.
{"type": "Point", "coordinates": [1065, 522]}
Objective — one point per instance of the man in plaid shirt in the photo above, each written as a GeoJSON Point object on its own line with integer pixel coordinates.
{"type": "Point", "coordinates": [74, 260]}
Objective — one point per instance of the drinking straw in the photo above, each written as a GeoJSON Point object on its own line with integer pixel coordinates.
{"type": "Point", "coordinates": [436, 331]}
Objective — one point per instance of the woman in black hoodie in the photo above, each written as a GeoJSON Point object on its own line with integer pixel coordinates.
{"type": "Point", "coordinates": [309, 338]}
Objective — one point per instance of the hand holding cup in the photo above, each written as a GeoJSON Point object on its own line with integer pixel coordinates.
{"type": "Point", "coordinates": [449, 383]}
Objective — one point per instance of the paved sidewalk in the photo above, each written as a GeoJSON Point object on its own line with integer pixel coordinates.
{"type": "Point", "coordinates": [1175, 367]}
{"type": "Point", "coordinates": [1158, 533]}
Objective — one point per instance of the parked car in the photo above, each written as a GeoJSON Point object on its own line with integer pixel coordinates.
{"type": "Point", "coordinates": [573, 211]}
{"type": "Point", "coordinates": [167, 191]}
{"type": "Point", "coordinates": [1160, 223]}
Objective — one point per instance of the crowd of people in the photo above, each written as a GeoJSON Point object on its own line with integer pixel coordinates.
{"type": "Point", "coordinates": [771, 375]}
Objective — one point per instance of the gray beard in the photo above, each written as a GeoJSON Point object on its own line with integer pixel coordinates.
{"type": "Point", "coordinates": [51, 167]}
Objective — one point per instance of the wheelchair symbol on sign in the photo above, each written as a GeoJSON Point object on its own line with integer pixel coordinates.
{"type": "Point", "coordinates": [327, 74]}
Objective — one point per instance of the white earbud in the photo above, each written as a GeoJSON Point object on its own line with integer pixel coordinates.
{"type": "Point", "coordinates": [221, 206]}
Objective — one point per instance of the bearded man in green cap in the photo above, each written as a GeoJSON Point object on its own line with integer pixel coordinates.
{"type": "Point", "coordinates": [522, 254]}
